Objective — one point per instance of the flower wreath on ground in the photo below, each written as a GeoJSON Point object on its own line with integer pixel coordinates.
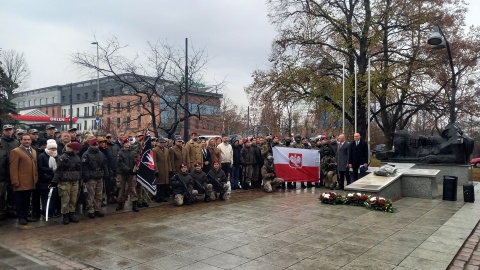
{"type": "Point", "coordinates": [358, 199]}
{"type": "Point", "coordinates": [331, 198]}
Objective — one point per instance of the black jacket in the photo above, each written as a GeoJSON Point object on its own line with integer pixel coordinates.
{"type": "Point", "coordinates": [113, 150]}
{"type": "Point", "coordinates": [178, 187]}
{"type": "Point", "coordinates": [218, 175]}
{"type": "Point", "coordinates": [236, 155]}
{"type": "Point", "coordinates": [358, 154]}
{"type": "Point", "coordinates": [6, 145]}
{"type": "Point", "coordinates": [127, 159]}
{"type": "Point", "coordinates": [94, 164]}
{"type": "Point", "coordinates": [45, 173]}
{"type": "Point", "coordinates": [247, 156]}
{"type": "Point", "coordinates": [199, 176]}
{"type": "Point", "coordinates": [69, 168]}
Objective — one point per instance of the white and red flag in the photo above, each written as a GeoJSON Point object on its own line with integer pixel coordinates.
{"type": "Point", "coordinates": [296, 164]}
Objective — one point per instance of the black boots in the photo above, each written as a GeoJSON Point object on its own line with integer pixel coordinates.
{"type": "Point", "coordinates": [207, 198]}
{"type": "Point", "coordinates": [120, 206]}
{"type": "Point", "coordinates": [66, 219]}
{"type": "Point", "coordinates": [222, 194]}
{"type": "Point", "coordinates": [135, 206]}
{"type": "Point", "coordinates": [72, 218]}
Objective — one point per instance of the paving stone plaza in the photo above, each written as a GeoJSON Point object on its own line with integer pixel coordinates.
{"type": "Point", "coordinates": [254, 230]}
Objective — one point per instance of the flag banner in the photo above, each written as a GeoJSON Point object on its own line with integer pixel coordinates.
{"type": "Point", "coordinates": [296, 164]}
{"type": "Point", "coordinates": [146, 166]}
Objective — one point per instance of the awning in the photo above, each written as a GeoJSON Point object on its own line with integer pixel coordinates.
{"type": "Point", "coordinates": [35, 115]}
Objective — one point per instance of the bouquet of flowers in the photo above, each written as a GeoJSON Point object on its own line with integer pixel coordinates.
{"type": "Point", "coordinates": [331, 198]}
{"type": "Point", "coordinates": [356, 199]}
{"type": "Point", "coordinates": [379, 204]}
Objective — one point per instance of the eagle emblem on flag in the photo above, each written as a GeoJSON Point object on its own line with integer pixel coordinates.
{"type": "Point", "coordinates": [295, 160]}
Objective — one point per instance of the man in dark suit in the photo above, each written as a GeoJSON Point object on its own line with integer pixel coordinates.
{"type": "Point", "coordinates": [358, 155]}
{"type": "Point", "coordinates": [343, 153]}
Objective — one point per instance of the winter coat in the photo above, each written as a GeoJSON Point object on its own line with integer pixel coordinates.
{"type": "Point", "coordinates": [162, 165]}
{"type": "Point", "coordinates": [94, 164]}
{"type": "Point", "coordinates": [60, 147]}
{"type": "Point", "coordinates": [214, 154]}
{"type": "Point", "coordinates": [218, 175]}
{"type": "Point", "coordinates": [200, 177]}
{"type": "Point", "coordinates": [127, 159]}
{"type": "Point", "coordinates": [6, 146]}
{"type": "Point", "coordinates": [45, 173]}
{"type": "Point", "coordinates": [23, 169]}
{"type": "Point", "coordinates": [247, 155]}
{"type": "Point", "coordinates": [176, 158]}
{"type": "Point", "coordinates": [113, 150]}
{"type": "Point", "coordinates": [193, 153]}
{"type": "Point", "coordinates": [69, 168]}
{"type": "Point", "coordinates": [258, 155]}
{"type": "Point", "coordinates": [236, 155]}
{"type": "Point", "coordinates": [179, 188]}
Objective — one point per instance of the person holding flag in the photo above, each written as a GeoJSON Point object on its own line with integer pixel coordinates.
{"type": "Point", "coordinates": [145, 169]}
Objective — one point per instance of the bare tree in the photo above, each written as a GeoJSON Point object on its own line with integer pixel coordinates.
{"type": "Point", "coordinates": [16, 68]}
{"type": "Point", "coordinates": [156, 78]}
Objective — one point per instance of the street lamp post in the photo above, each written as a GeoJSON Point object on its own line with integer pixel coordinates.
{"type": "Point", "coordinates": [97, 113]}
{"type": "Point", "coordinates": [438, 40]}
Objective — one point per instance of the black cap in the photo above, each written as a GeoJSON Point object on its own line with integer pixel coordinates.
{"type": "Point", "coordinates": [72, 129]}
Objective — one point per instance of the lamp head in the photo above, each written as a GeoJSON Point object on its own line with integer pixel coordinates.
{"type": "Point", "coordinates": [95, 43]}
{"type": "Point", "coordinates": [436, 37]}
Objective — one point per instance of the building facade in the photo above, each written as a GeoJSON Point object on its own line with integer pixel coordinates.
{"type": "Point", "coordinates": [113, 108]}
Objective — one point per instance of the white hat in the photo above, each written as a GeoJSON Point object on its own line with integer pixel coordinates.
{"type": "Point", "coordinates": [51, 144]}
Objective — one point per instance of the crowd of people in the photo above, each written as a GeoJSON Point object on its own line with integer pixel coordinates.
{"type": "Point", "coordinates": [76, 175]}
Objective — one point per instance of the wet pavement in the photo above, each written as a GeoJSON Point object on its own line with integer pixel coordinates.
{"type": "Point", "coordinates": [253, 230]}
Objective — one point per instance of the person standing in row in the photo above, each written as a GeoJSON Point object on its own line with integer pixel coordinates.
{"type": "Point", "coordinates": [162, 169]}
{"type": "Point", "coordinates": [247, 158]}
{"type": "Point", "coordinates": [177, 156]}
{"type": "Point", "coordinates": [193, 152]}
{"type": "Point", "coordinates": [206, 157]}
{"type": "Point", "coordinates": [226, 155]}
{"type": "Point", "coordinates": [343, 153]}
{"type": "Point", "coordinates": [47, 166]}
{"type": "Point", "coordinates": [67, 178]}
{"type": "Point", "coordinates": [7, 144]}
{"type": "Point", "coordinates": [358, 156]}
{"type": "Point", "coordinates": [214, 154]}
{"type": "Point", "coordinates": [94, 169]}
{"type": "Point", "coordinates": [23, 176]}
{"type": "Point", "coordinates": [127, 159]}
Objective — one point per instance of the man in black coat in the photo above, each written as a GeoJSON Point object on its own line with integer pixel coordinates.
{"type": "Point", "coordinates": [358, 155]}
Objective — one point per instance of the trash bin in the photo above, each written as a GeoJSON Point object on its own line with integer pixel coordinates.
{"type": "Point", "coordinates": [450, 188]}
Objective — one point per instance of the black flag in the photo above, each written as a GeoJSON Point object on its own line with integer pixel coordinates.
{"type": "Point", "coordinates": [146, 166]}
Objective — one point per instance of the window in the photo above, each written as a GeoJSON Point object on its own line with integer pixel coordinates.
{"type": "Point", "coordinates": [93, 110]}
{"type": "Point", "coordinates": [108, 108]}
{"type": "Point", "coordinates": [86, 96]}
{"type": "Point", "coordinates": [103, 93]}
{"type": "Point", "coordinates": [34, 102]}
{"type": "Point", "coordinates": [118, 107]}
{"type": "Point", "coordinates": [139, 122]}
{"type": "Point", "coordinates": [128, 106]}
{"type": "Point", "coordinates": [79, 126]}
{"type": "Point", "coordinates": [128, 123]}
{"type": "Point", "coordinates": [94, 95]}
{"type": "Point", "coordinates": [85, 112]}
{"type": "Point", "coordinates": [63, 99]}
{"type": "Point", "coordinates": [53, 112]}
{"type": "Point", "coordinates": [85, 123]}
{"type": "Point", "coordinates": [46, 100]}
{"type": "Point", "coordinates": [53, 100]}
{"type": "Point", "coordinates": [23, 104]}
{"type": "Point", "coordinates": [78, 112]}
{"type": "Point", "coordinates": [40, 101]}
{"type": "Point", "coordinates": [118, 122]}
{"type": "Point", "coordinates": [78, 96]}
{"type": "Point", "coordinates": [112, 92]}
{"type": "Point", "coordinates": [29, 103]}
{"type": "Point", "coordinates": [46, 111]}
{"type": "Point", "coordinates": [94, 124]}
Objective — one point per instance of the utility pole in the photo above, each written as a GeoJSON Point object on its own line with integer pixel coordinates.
{"type": "Point", "coordinates": [248, 120]}
{"type": "Point", "coordinates": [71, 107]}
{"type": "Point", "coordinates": [186, 111]}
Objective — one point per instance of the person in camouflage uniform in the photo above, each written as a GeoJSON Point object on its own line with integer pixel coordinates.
{"type": "Point", "coordinates": [266, 149]}
{"type": "Point", "coordinates": [329, 167]}
{"type": "Point", "coordinates": [270, 180]}
{"type": "Point", "coordinates": [217, 177]}
{"type": "Point", "coordinates": [182, 184]}
{"type": "Point", "coordinates": [66, 178]}
{"type": "Point", "coordinates": [200, 182]}
{"type": "Point", "coordinates": [247, 159]}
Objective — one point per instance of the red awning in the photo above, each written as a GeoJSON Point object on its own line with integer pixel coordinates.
{"type": "Point", "coordinates": [33, 118]}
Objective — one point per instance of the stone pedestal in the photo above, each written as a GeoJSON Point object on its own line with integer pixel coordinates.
{"type": "Point", "coordinates": [463, 172]}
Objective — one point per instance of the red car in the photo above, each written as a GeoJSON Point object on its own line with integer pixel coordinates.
{"type": "Point", "coordinates": [475, 162]}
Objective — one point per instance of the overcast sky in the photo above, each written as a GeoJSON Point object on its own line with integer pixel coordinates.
{"type": "Point", "coordinates": [236, 34]}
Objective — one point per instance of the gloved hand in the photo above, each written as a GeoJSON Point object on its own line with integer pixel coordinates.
{"type": "Point", "coordinates": [53, 185]}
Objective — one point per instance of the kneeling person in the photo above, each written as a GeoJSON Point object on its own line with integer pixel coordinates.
{"type": "Point", "coordinates": [270, 181]}
{"type": "Point", "coordinates": [218, 179]}
{"type": "Point", "coordinates": [182, 185]}
{"type": "Point", "coordinates": [200, 181]}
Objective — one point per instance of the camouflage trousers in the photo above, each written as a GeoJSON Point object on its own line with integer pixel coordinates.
{"type": "Point", "coordinates": [126, 187]}
{"type": "Point", "coordinates": [208, 190]}
{"type": "Point", "coordinates": [179, 198]}
{"type": "Point", "coordinates": [331, 179]}
{"type": "Point", "coordinates": [214, 193]}
{"type": "Point", "coordinates": [270, 185]}
{"type": "Point", "coordinates": [94, 194]}
{"type": "Point", "coordinates": [68, 192]}
{"type": "Point", "coordinates": [248, 170]}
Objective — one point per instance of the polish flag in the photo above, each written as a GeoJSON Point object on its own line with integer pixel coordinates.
{"type": "Point", "coordinates": [296, 164]}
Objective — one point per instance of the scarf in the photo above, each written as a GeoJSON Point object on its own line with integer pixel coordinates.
{"type": "Point", "coordinates": [52, 163]}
